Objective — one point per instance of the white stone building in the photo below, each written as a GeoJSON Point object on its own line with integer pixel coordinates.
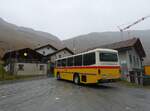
{"type": "Point", "coordinates": [46, 50]}
{"type": "Point", "coordinates": [58, 54]}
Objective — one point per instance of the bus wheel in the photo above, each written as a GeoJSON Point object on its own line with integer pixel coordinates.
{"type": "Point", "coordinates": [58, 76]}
{"type": "Point", "coordinates": [76, 79]}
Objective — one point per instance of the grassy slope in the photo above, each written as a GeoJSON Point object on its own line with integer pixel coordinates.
{"type": "Point", "coordinates": [4, 75]}
{"type": "Point", "coordinates": [1, 70]}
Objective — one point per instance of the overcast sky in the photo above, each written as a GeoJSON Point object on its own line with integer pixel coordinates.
{"type": "Point", "coordinates": [69, 18]}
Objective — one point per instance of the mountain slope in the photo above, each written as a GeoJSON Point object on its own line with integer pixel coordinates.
{"type": "Point", "coordinates": [84, 42]}
{"type": "Point", "coordinates": [17, 37]}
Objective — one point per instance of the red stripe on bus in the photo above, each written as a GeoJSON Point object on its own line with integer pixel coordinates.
{"type": "Point", "coordinates": [83, 67]}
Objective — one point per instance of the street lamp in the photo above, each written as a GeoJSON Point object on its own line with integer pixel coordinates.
{"type": "Point", "coordinates": [25, 54]}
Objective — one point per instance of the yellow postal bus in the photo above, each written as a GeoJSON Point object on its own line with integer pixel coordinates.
{"type": "Point", "coordinates": [98, 65]}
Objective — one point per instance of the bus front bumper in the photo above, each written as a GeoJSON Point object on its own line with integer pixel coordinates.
{"type": "Point", "coordinates": [108, 80]}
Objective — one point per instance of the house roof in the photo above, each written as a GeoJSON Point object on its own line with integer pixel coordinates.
{"type": "Point", "coordinates": [31, 54]}
{"type": "Point", "coordinates": [127, 44]}
{"type": "Point", "coordinates": [65, 48]}
{"type": "Point", "coordinates": [48, 45]}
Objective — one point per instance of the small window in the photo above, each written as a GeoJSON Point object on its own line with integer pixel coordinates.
{"type": "Point", "coordinates": [21, 67]}
{"type": "Point", "coordinates": [134, 60]}
{"type": "Point", "coordinates": [59, 56]}
{"type": "Point", "coordinates": [41, 67]}
{"type": "Point", "coordinates": [70, 61]}
{"type": "Point", "coordinates": [130, 57]}
{"type": "Point", "coordinates": [78, 60]}
{"type": "Point", "coordinates": [137, 61]}
{"type": "Point", "coordinates": [89, 59]}
{"type": "Point", "coordinates": [64, 62]}
{"type": "Point", "coordinates": [47, 47]}
{"type": "Point", "coordinates": [44, 52]}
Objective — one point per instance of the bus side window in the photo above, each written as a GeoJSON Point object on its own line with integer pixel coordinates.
{"type": "Point", "coordinates": [70, 61]}
{"type": "Point", "coordinates": [89, 59]}
{"type": "Point", "coordinates": [78, 60]}
{"type": "Point", "coordinates": [64, 62]}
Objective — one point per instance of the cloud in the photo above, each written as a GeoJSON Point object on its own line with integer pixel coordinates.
{"type": "Point", "coordinates": [68, 18]}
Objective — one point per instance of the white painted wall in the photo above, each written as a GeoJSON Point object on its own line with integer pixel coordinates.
{"type": "Point", "coordinates": [30, 69]}
{"type": "Point", "coordinates": [124, 63]}
{"type": "Point", "coordinates": [133, 52]}
{"type": "Point", "coordinates": [47, 50]}
{"type": "Point", "coordinates": [125, 59]}
{"type": "Point", "coordinates": [62, 53]}
{"type": "Point", "coordinates": [124, 56]}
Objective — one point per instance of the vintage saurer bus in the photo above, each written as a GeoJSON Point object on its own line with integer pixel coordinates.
{"type": "Point", "coordinates": [94, 66]}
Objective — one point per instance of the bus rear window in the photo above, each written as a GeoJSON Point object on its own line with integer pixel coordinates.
{"type": "Point", "coordinates": [108, 57]}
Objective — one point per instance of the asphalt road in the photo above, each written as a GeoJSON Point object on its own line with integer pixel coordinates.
{"type": "Point", "coordinates": [52, 95]}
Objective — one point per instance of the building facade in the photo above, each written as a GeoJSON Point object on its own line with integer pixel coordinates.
{"type": "Point", "coordinates": [56, 55]}
{"type": "Point", "coordinates": [131, 65]}
{"type": "Point", "coordinates": [25, 62]}
{"type": "Point", "coordinates": [46, 50]}
{"type": "Point", "coordinates": [21, 68]}
{"type": "Point", "coordinates": [60, 53]}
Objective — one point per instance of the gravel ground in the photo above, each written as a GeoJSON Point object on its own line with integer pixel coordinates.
{"type": "Point", "coordinates": [52, 95]}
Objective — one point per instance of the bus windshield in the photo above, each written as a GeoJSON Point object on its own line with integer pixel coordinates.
{"type": "Point", "coordinates": [108, 57]}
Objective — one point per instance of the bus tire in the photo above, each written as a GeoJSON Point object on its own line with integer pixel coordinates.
{"type": "Point", "coordinates": [58, 76]}
{"type": "Point", "coordinates": [76, 79]}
